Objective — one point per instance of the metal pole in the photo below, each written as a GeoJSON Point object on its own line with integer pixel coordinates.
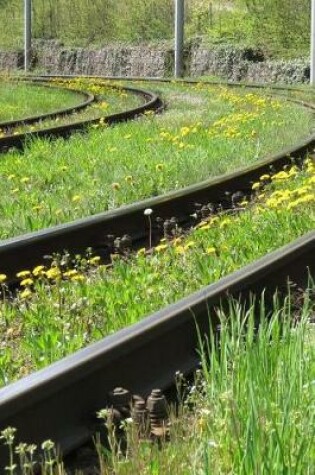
{"type": "Point", "coordinates": [27, 33]}
{"type": "Point", "coordinates": [312, 69]}
{"type": "Point", "coordinates": [179, 37]}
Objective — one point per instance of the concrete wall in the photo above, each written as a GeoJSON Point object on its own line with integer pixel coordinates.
{"type": "Point", "coordinates": [228, 62]}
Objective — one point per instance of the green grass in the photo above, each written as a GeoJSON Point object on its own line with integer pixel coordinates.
{"type": "Point", "coordinates": [75, 304]}
{"type": "Point", "coordinates": [250, 410]}
{"type": "Point", "coordinates": [19, 100]}
{"type": "Point", "coordinates": [110, 167]}
{"type": "Point", "coordinates": [109, 100]}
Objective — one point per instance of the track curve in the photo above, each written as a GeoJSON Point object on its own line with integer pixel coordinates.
{"type": "Point", "coordinates": [60, 402]}
{"type": "Point", "coordinates": [152, 103]}
{"type": "Point", "coordinates": [88, 99]}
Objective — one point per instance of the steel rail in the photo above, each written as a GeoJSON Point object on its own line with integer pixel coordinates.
{"type": "Point", "coordinates": [152, 102]}
{"type": "Point", "coordinates": [60, 401]}
{"type": "Point", "coordinates": [27, 251]}
{"type": "Point", "coordinates": [89, 99]}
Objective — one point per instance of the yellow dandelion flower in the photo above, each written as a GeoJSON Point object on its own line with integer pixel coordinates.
{"type": "Point", "coordinates": [225, 222]}
{"type": "Point", "coordinates": [38, 270]}
{"type": "Point", "coordinates": [53, 273]}
{"type": "Point", "coordinates": [26, 294]}
{"type": "Point", "coordinates": [210, 250]}
{"type": "Point", "coordinates": [94, 260]}
{"type": "Point", "coordinates": [25, 179]}
{"type": "Point", "coordinates": [159, 167]}
{"type": "Point", "coordinates": [256, 186]}
{"type": "Point", "coordinates": [23, 274]}
{"type": "Point", "coordinates": [128, 179]}
{"type": "Point", "coordinates": [161, 247]}
{"type": "Point", "coordinates": [70, 273]}
{"type": "Point", "coordinates": [3, 278]}
{"type": "Point", "coordinates": [76, 198]}
{"type": "Point", "coordinates": [179, 250]}
{"type": "Point", "coordinates": [78, 278]}
{"type": "Point", "coordinates": [264, 177]}
{"type": "Point", "coordinates": [115, 186]}
{"type": "Point", "coordinates": [26, 282]}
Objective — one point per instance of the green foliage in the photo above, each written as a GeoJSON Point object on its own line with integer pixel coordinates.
{"type": "Point", "coordinates": [281, 26]}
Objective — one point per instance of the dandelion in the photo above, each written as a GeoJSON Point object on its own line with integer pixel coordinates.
{"type": "Point", "coordinates": [26, 294]}
{"type": "Point", "coordinates": [26, 282]}
{"type": "Point", "coordinates": [38, 270]}
{"type": "Point", "coordinates": [76, 198]}
{"type": "Point", "coordinates": [115, 186]}
{"type": "Point", "coordinates": [3, 278]}
{"type": "Point", "coordinates": [161, 247]}
{"type": "Point", "coordinates": [129, 179]}
{"type": "Point", "coordinates": [256, 186]}
{"type": "Point", "coordinates": [210, 250]}
{"type": "Point", "coordinates": [159, 167]}
{"type": "Point", "coordinates": [94, 260]}
{"type": "Point", "coordinates": [23, 274]}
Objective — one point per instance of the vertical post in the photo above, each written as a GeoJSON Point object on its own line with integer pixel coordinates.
{"type": "Point", "coordinates": [179, 37]}
{"type": "Point", "coordinates": [312, 68]}
{"type": "Point", "coordinates": [27, 33]}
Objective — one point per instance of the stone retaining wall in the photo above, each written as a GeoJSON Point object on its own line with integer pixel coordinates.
{"type": "Point", "coordinates": [235, 64]}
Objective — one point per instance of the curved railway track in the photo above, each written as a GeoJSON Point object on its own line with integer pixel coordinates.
{"type": "Point", "coordinates": [12, 124]}
{"type": "Point", "coordinates": [60, 402]}
{"type": "Point", "coordinates": [27, 251]}
{"type": "Point", "coordinates": [151, 103]}
{"type": "Point", "coordinates": [143, 356]}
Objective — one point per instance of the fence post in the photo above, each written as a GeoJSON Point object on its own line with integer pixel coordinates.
{"type": "Point", "coordinates": [179, 37]}
{"type": "Point", "coordinates": [27, 34]}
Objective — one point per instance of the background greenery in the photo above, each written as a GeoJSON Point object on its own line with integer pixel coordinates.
{"type": "Point", "coordinates": [280, 27]}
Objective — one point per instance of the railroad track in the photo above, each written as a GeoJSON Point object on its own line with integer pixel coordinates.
{"type": "Point", "coordinates": [41, 405]}
{"type": "Point", "coordinates": [151, 103]}
{"type": "Point", "coordinates": [9, 126]}
{"type": "Point", "coordinates": [60, 402]}
{"type": "Point", "coordinates": [95, 232]}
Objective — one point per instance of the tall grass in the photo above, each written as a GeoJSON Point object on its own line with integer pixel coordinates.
{"type": "Point", "coordinates": [250, 410]}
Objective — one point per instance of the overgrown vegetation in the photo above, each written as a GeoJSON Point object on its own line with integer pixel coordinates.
{"type": "Point", "coordinates": [205, 132]}
{"type": "Point", "coordinates": [250, 410]}
{"type": "Point", "coordinates": [71, 303]}
{"type": "Point", "coordinates": [279, 26]}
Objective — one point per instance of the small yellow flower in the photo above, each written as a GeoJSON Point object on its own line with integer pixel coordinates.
{"type": "Point", "coordinates": [38, 270]}
{"type": "Point", "coordinates": [264, 177]}
{"type": "Point", "coordinates": [115, 186]}
{"type": "Point", "coordinates": [159, 167]}
{"type": "Point", "coordinates": [190, 244]}
{"type": "Point", "coordinates": [78, 278]}
{"type": "Point", "coordinates": [94, 260]}
{"type": "Point", "coordinates": [128, 179]}
{"type": "Point", "coordinates": [210, 250]}
{"type": "Point", "coordinates": [180, 250]}
{"type": "Point", "coordinates": [26, 282]}
{"type": "Point", "coordinates": [161, 247]}
{"type": "Point", "coordinates": [25, 179]}
{"type": "Point", "coordinates": [141, 251]}
{"type": "Point", "coordinates": [23, 274]}
{"type": "Point", "coordinates": [26, 294]}
{"type": "Point", "coordinates": [53, 273]}
{"type": "Point", "coordinates": [256, 186]}
{"type": "Point", "coordinates": [70, 273]}
{"type": "Point", "coordinates": [76, 198]}
{"type": "Point", "coordinates": [3, 278]}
